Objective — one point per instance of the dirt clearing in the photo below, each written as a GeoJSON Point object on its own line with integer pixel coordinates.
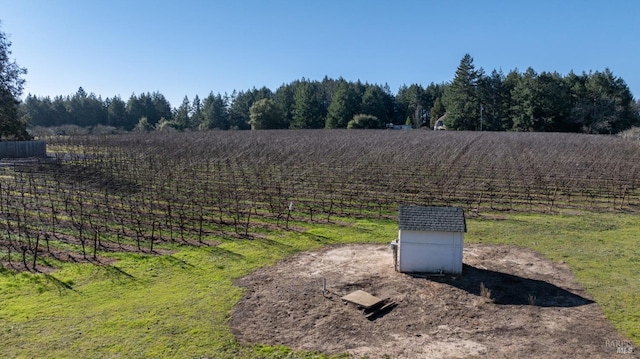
{"type": "Point", "coordinates": [535, 309]}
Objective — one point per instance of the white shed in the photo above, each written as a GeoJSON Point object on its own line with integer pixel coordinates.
{"type": "Point", "coordinates": [430, 239]}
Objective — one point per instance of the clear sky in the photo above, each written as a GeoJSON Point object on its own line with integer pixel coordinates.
{"type": "Point", "coordinates": [120, 47]}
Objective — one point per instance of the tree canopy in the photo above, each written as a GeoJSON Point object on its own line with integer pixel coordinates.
{"type": "Point", "coordinates": [11, 82]}
{"type": "Point", "coordinates": [594, 102]}
{"type": "Point", "coordinates": [265, 115]}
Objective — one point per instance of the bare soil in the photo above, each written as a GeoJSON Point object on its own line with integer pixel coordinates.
{"type": "Point", "coordinates": [535, 308]}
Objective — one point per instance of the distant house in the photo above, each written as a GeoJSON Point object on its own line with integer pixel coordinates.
{"type": "Point", "coordinates": [430, 239]}
{"type": "Point", "coordinates": [439, 125]}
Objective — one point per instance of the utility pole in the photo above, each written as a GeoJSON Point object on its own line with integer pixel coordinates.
{"type": "Point", "coordinates": [481, 109]}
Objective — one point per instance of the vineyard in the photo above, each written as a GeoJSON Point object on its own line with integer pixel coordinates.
{"type": "Point", "coordinates": [136, 192]}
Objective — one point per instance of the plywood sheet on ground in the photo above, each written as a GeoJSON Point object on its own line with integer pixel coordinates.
{"type": "Point", "coordinates": [363, 299]}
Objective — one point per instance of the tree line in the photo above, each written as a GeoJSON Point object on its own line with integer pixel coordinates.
{"type": "Point", "coordinates": [330, 103]}
{"type": "Point", "coordinates": [594, 102]}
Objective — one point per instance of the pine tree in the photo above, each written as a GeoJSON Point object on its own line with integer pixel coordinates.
{"type": "Point", "coordinates": [307, 108]}
{"type": "Point", "coordinates": [611, 107]}
{"type": "Point", "coordinates": [197, 117]}
{"type": "Point", "coordinates": [411, 104]}
{"type": "Point", "coordinates": [493, 97]}
{"type": "Point", "coordinates": [283, 99]}
{"type": "Point", "coordinates": [116, 112]}
{"type": "Point", "coordinates": [345, 104]}
{"type": "Point", "coordinates": [461, 97]}
{"type": "Point", "coordinates": [215, 112]}
{"type": "Point", "coordinates": [374, 103]}
{"type": "Point", "coordinates": [181, 117]}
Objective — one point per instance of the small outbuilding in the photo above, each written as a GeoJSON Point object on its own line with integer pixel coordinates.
{"type": "Point", "coordinates": [430, 239]}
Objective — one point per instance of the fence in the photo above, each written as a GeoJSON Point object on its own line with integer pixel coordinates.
{"type": "Point", "coordinates": [21, 149]}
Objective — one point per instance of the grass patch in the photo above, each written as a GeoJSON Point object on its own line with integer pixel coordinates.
{"type": "Point", "coordinates": [178, 305]}
{"type": "Point", "coordinates": [143, 306]}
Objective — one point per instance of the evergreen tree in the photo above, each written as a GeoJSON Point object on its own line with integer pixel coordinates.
{"type": "Point", "coordinates": [411, 105]}
{"type": "Point", "coordinates": [161, 108]}
{"type": "Point", "coordinates": [197, 117]}
{"type": "Point", "coordinates": [147, 109]}
{"type": "Point", "coordinates": [461, 97]}
{"type": "Point", "coordinates": [374, 102]}
{"type": "Point", "coordinates": [329, 86]}
{"type": "Point", "coordinates": [38, 110]}
{"type": "Point", "coordinates": [11, 82]}
{"type": "Point", "coordinates": [540, 102]}
{"type": "Point", "coordinates": [283, 99]}
{"type": "Point", "coordinates": [85, 110]}
{"type": "Point", "coordinates": [492, 95]}
{"type": "Point", "coordinates": [215, 112]}
{"type": "Point", "coordinates": [181, 118]}
{"type": "Point", "coordinates": [75, 108]}
{"type": "Point", "coordinates": [59, 111]}
{"type": "Point", "coordinates": [390, 104]}
{"type": "Point", "coordinates": [508, 85]}
{"type": "Point", "coordinates": [611, 107]}
{"type": "Point", "coordinates": [116, 112]}
{"type": "Point", "coordinates": [553, 104]}
{"type": "Point", "coordinates": [522, 95]}
{"type": "Point", "coordinates": [431, 93]}
{"type": "Point", "coordinates": [307, 107]}
{"type": "Point", "coordinates": [344, 105]}
{"type": "Point", "coordinates": [135, 111]}
{"type": "Point", "coordinates": [239, 116]}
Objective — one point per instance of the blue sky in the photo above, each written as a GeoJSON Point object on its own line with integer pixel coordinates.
{"type": "Point", "coordinates": [179, 48]}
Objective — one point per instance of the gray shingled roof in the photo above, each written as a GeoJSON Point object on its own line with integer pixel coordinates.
{"type": "Point", "coordinates": [440, 219]}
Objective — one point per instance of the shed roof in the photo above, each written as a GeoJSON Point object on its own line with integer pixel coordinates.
{"type": "Point", "coordinates": [438, 219]}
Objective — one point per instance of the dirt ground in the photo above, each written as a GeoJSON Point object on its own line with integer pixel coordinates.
{"type": "Point", "coordinates": [536, 309]}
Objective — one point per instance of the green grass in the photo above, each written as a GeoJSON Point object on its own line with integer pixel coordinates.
{"type": "Point", "coordinates": [141, 306]}
{"type": "Point", "coordinates": [179, 305]}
